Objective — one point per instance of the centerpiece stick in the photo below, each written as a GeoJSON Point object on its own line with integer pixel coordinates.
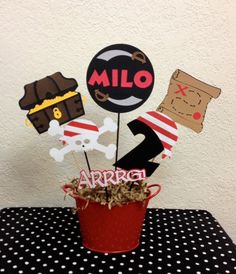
{"type": "Point", "coordinates": [117, 136]}
{"type": "Point", "coordinates": [87, 161]}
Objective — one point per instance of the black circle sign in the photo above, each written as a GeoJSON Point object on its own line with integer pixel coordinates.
{"type": "Point", "coordinates": [120, 78]}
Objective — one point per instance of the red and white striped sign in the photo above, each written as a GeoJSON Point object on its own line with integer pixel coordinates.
{"type": "Point", "coordinates": [80, 126]}
{"type": "Point", "coordinates": [164, 127]}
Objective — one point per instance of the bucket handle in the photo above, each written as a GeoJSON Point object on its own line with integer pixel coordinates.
{"type": "Point", "coordinates": [69, 186]}
{"type": "Point", "coordinates": [65, 187]}
{"type": "Point", "coordinates": [156, 192]}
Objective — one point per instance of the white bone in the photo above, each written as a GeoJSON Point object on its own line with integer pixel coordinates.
{"type": "Point", "coordinates": [109, 150]}
{"type": "Point", "coordinates": [55, 129]}
{"type": "Point", "coordinates": [56, 154]}
{"type": "Point", "coordinates": [108, 125]}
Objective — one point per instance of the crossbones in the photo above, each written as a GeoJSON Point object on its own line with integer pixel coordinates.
{"type": "Point", "coordinates": [81, 135]}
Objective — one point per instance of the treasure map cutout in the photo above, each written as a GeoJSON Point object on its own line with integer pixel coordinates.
{"type": "Point", "coordinates": [53, 97]}
{"type": "Point", "coordinates": [187, 100]}
{"type": "Point", "coordinates": [81, 135]}
{"type": "Point", "coordinates": [120, 78]}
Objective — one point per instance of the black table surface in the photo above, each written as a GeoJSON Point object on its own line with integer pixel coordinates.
{"type": "Point", "coordinates": [47, 240]}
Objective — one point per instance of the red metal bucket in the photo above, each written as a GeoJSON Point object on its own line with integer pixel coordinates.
{"type": "Point", "coordinates": [115, 230]}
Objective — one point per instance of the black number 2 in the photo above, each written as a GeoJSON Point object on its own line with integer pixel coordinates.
{"type": "Point", "coordinates": [139, 157]}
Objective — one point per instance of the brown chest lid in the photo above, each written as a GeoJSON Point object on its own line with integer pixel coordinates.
{"type": "Point", "coordinates": [46, 88]}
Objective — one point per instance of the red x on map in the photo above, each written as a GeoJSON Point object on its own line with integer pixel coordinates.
{"type": "Point", "coordinates": [181, 89]}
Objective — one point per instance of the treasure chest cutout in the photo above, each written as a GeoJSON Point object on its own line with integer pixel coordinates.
{"type": "Point", "coordinates": [53, 97]}
{"type": "Point", "coordinates": [187, 100]}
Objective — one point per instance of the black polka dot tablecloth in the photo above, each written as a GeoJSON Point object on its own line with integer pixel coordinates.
{"type": "Point", "coordinates": [47, 240]}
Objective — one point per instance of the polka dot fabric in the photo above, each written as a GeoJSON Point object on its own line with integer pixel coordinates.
{"type": "Point", "coordinates": [47, 240]}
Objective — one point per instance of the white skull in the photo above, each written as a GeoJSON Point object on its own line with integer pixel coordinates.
{"type": "Point", "coordinates": [85, 142]}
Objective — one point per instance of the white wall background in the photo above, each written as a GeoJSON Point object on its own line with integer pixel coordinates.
{"type": "Point", "coordinates": [39, 38]}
